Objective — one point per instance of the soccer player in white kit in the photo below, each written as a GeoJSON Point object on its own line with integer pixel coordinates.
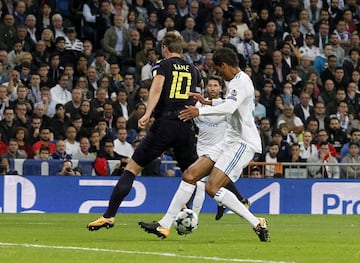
{"type": "Point", "coordinates": [211, 130]}
{"type": "Point", "coordinates": [226, 160]}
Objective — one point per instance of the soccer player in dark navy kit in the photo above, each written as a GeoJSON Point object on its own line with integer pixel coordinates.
{"type": "Point", "coordinates": [173, 80]}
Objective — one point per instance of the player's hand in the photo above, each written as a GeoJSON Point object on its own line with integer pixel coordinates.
{"type": "Point", "coordinates": [197, 96]}
{"type": "Point", "coordinates": [143, 121]}
{"type": "Point", "coordinates": [189, 113]}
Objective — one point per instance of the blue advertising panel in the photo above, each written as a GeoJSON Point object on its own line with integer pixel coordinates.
{"type": "Point", "coordinates": [57, 194]}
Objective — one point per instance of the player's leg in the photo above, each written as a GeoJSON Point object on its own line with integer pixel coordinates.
{"type": "Point", "coordinates": [199, 197]}
{"type": "Point", "coordinates": [196, 171]}
{"type": "Point", "coordinates": [232, 188]}
{"type": "Point", "coordinates": [228, 168]}
{"type": "Point", "coordinates": [120, 191]}
{"type": "Point", "coordinates": [150, 148]}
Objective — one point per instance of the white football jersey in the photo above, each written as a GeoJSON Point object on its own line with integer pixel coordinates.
{"type": "Point", "coordinates": [211, 130]}
{"type": "Point", "coordinates": [239, 109]}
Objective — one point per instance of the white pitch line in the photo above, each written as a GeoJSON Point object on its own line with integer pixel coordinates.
{"type": "Point", "coordinates": [140, 253]}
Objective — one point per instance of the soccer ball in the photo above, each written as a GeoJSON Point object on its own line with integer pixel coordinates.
{"type": "Point", "coordinates": [186, 222]}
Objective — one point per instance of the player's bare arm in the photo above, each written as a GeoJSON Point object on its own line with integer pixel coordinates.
{"type": "Point", "coordinates": [154, 95]}
{"type": "Point", "coordinates": [188, 113]}
{"type": "Point", "coordinates": [201, 99]}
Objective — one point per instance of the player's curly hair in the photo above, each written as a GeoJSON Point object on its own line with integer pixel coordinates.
{"type": "Point", "coordinates": [226, 55]}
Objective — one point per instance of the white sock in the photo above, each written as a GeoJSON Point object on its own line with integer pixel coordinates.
{"type": "Point", "coordinates": [181, 197]}
{"type": "Point", "coordinates": [199, 197]}
{"type": "Point", "coordinates": [229, 200]}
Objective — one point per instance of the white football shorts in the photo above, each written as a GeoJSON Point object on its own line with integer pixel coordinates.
{"type": "Point", "coordinates": [231, 158]}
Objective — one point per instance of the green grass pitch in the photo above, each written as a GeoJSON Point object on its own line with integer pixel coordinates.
{"type": "Point", "coordinates": [63, 238]}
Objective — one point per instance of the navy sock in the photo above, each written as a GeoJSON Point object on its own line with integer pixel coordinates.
{"type": "Point", "coordinates": [120, 191]}
{"type": "Point", "coordinates": [232, 188]}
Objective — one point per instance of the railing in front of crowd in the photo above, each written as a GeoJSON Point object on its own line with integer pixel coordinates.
{"type": "Point", "coordinates": [265, 170]}
{"type": "Point", "coordinates": [303, 170]}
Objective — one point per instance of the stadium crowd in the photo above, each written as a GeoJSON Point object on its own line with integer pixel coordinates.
{"type": "Point", "coordinates": [74, 81]}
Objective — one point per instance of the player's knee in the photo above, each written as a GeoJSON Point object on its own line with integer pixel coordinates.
{"type": "Point", "coordinates": [211, 188]}
{"type": "Point", "coordinates": [189, 177]}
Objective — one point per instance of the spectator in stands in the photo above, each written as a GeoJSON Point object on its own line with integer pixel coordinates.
{"type": "Point", "coordinates": [343, 35]}
{"type": "Point", "coordinates": [44, 154]}
{"type": "Point", "coordinates": [15, 53]}
{"type": "Point", "coordinates": [82, 83]}
{"type": "Point", "coordinates": [4, 101]}
{"type": "Point", "coordinates": [309, 88]}
{"type": "Point", "coordinates": [321, 61]}
{"type": "Point", "coordinates": [59, 122]}
{"type": "Point", "coordinates": [95, 144]}
{"type": "Point", "coordinates": [289, 136]}
{"type": "Point", "coordinates": [142, 96]}
{"type": "Point", "coordinates": [284, 147]}
{"type": "Point", "coordinates": [30, 23]}
{"type": "Point", "coordinates": [307, 148]}
{"type": "Point", "coordinates": [109, 154]}
{"type": "Point", "coordinates": [8, 125]}
{"type": "Point", "coordinates": [59, 93]}
{"type": "Point", "coordinates": [267, 98]}
{"type": "Point", "coordinates": [296, 154]}
{"type": "Point", "coordinates": [5, 168]}
{"type": "Point", "coordinates": [255, 172]}
{"type": "Point", "coordinates": [34, 93]}
{"type": "Point", "coordinates": [153, 24]}
{"type": "Point", "coordinates": [39, 111]}
{"type": "Point", "coordinates": [7, 32]}
{"type": "Point", "coordinates": [72, 107]}
{"type": "Point", "coordinates": [323, 136]}
{"type": "Point", "coordinates": [311, 125]}
{"type": "Point", "coordinates": [137, 113]}
{"type": "Point", "coordinates": [21, 136]}
{"type": "Point", "coordinates": [189, 33]}
{"type": "Point", "coordinates": [328, 95]}
{"type": "Point", "coordinates": [102, 67]}
{"type": "Point", "coordinates": [343, 116]}
{"type": "Point", "coordinates": [323, 170]}
{"type": "Point", "coordinates": [208, 37]}
{"type": "Point", "coordinates": [305, 66]}
{"type": "Point", "coordinates": [92, 80]}
{"type": "Point", "coordinates": [271, 157]}
{"type": "Point", "coordinates": [260, 110]}
{"type": "Point", "coordinates": [97, 104]}
{"type": "Point", "coordinates": [352, 98]}
{"type": "Point", "coordinates": [104, 130]}
{"type": "Point", "coordinates": [103, 20]}
{"type": "Point", "coordinates": [337, 137]}
{"type": "Point", "coordinates": [192, 55]}
{"type": "Point", "coordinates": [13, 151]}
{"type": "Point", "coordinates": [295, 124]}
{"type": "Point", "coordinates": [288, 95]}
{"type": "Point", "coordinates": [352, 63]}
{"type": "Point", "coordinates": [87, 115]}
{"type": "Point", "coordinates": [90, 11]}
{"type": "Point", "coordinates": [34, 130]}
{"type": "Point", "coordinates": [71, 144]}
{"type": "Point", "coordinates": [304, 110]}
{"type": "Point", "coordinates": [146, 70]}
{"type": "Point", "coordinates": [121, 146]}
{"type": "Point", "coordinates": [22, 92]}
{"type": "Point", "coordinates": [265, 133]}
{"type": "Point", "coordinates": [322, 38]}
{"type": "Point", "coordinates": [68, 170]}
{"type": "Point", "coordinates": [115, 38]}
{"type": "Point", "coordinates": [352, 157]}
{"type": "Point", "coordinates": [60, 152]}
{"type": "Point", "coordinates": [309, 48]}
{"type": "Point", "coordinates": [339, 51]}
{"type": "Point", "coordinates": [121, 106]}
{"type": "Point", "coordinates": [3, 75]}
{"type": "Point", "coordinates": [83, 152]}
{"type": "Point", "coordinates": [354, 138]}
